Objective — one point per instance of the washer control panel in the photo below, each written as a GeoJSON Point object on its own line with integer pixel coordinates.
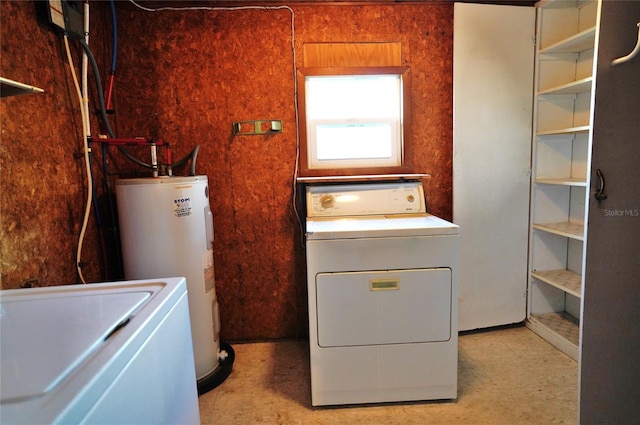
{"type": "Point", "coordinates": [365, 199]}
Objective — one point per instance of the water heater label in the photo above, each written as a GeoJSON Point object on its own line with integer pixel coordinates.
{"type": "Point", "coordinates": [209, 272]}
{"type": "Point", "coordinates": [182, 207]}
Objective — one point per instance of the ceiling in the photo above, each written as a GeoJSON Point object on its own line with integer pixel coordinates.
{"type": "Point", "coordinates": [230, 3]}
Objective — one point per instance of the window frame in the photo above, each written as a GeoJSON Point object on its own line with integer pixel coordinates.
{"type": "Point", "coordinates": [406, 166]}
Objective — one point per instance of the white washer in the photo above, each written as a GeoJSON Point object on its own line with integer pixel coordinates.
{"type": "Point", "coordinates": [382, 278]}
{"type": "Point", "coordinates": [107, 353]}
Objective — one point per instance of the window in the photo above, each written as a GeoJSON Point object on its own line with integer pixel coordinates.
{"type": "Point", "coordinates": [353, 120]}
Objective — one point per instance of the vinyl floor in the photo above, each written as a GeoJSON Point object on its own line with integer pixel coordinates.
{"type": "Point", "coordinates": [505, 376]}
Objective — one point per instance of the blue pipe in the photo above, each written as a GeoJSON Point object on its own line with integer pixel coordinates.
{"type": "Point", "coordinates": [114, 23]}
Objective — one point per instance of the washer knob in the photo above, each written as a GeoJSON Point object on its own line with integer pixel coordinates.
{"type": "Point", "coordinates": [327, 201]}
{"type": "Point", "coordinates": [411, 198]}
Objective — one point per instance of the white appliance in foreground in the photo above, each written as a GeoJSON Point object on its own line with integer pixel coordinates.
{"type": "Point", "coordinates": [108, 353]}
{"type": "Point", "coordinates": [166, 229]}
{"type": "Point", "coordinates": [382, 278]}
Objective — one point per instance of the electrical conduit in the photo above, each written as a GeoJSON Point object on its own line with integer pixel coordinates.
{"type": "Point", "coordinates": [85, 131]}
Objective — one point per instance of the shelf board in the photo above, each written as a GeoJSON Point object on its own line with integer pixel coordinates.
{"type": "Point", "coordinates": [12, 88]}
{"type": "Point", "coordinates": [567, 229]}
{"type": "Point", "coordinates": [574, 87]}
{"type": "Point", "coordinates": [577, 43]}
{"type": "Point", "coordinates": [561, 131]}
{"type": "Point", "coordinates": [566, 280]}
{"type": "Point", "coordinates": [566, 181]}
{"type": "Point", "coordinates": [359, 178]}
{"type": "Point", "coordinates": [560, 329]}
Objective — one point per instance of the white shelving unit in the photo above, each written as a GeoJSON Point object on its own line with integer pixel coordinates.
{"type": "Point", "coordinates": [566, 34]}
{"type": "Point", "coordinates": [579, 270]}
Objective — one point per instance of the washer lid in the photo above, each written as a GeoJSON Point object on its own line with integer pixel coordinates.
{"type": "Point", "coordinates": [45, 337]}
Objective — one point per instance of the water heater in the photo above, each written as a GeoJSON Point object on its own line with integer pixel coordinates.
{"type": "Point", "coordinates": [166, 230]}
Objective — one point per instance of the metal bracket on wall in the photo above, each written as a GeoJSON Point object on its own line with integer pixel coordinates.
{"type": "Point", "coordinates": [256, 127]}
{"type": "Point", "coordinates": [11, 88]}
